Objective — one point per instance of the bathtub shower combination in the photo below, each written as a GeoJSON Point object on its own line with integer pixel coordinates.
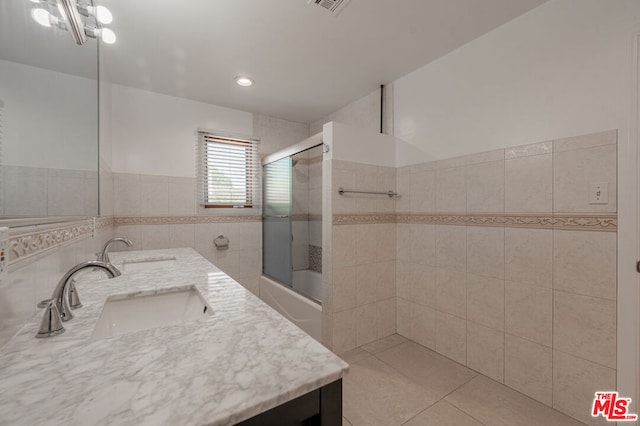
{"type": "Point", "coordinates": [292, 234]}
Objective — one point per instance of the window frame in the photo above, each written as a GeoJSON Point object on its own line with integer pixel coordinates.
{"type": "Point", "coordinates": [250, 150]}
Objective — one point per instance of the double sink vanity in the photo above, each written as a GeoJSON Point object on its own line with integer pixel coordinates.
{"type": "Point", "coordinates": [173, 340]}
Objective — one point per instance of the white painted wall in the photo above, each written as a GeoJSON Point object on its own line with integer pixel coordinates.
{"type": "Point", "coordinates": [38, 106]}
{"type": "Point", "coordinates": [561, 69]}
{"type": "Point", "coordinates": [359, 145]}
{"type": "Point", "coordinates": [155, 134]}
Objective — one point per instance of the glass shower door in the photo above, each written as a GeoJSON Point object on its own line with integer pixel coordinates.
{"type": "Point", "coordinates": [276, 225]}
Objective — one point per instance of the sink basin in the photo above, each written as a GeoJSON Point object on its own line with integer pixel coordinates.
{"type": "Point", "coordinates": [134, 265]}
{"type": "Point", "coordinates": [124, 314]}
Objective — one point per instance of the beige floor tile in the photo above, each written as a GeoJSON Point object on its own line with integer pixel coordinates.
{"type": "Point", "coordinates": [376, 394]}
{"type": "Point", "coordinates": [345, 422]}
{"type": "Point", "coordinates": [384, 343]}
{"type": "Point", "coordinates": [430, 370]}
{"type": "Point", "coordinates": [494, 404]}
{"type": "Point", "coordinates": [443, 414]}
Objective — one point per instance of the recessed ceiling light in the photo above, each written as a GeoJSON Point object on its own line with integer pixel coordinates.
{"type": "Point", "coordinates": [244, 81]}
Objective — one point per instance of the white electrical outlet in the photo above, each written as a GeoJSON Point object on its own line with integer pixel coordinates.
{"type": "Point", "coordinates": [4, 254]}
{"type": "Point", "coordinates": [599, 193]}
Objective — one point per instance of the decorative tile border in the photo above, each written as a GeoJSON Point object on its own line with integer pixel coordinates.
{"type": "Point", "coordinates": [183, 220]}
{"type": "Point", "coordinates": [354, 219]}
{"type": "Point", "coordinates": [104, 222]}
{"type": "Point", "coordinates": [306, 217]}
{"type": "Point", "coordinates": [582, 222]}
{"type": "Point", "coordinates": [30, 244]}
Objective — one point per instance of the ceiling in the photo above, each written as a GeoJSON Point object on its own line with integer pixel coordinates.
{"type": "Point", "coordinates": [306, 63]}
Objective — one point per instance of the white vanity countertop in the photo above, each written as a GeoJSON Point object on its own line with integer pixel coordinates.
{"type": "Point", "coordinates": [242, 360]}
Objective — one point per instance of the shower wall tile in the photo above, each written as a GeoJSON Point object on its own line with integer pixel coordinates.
{"type": "Point", "coordinates": [528, 256]}
{"type": "Point", "coordinates": [92, 195]}
{"type": "Point", "coordinates": [366, 277]}
{"type": "Point", "coordinates": [485, 301]}
{"type": "Point", "coordinates": [126, 194]}
{"type": "Point", "coordinates": [385, 235]}
{"type": "Point", "coordinates": [585, 263]}
{"type": "Point", "coordinates": [451, 337]}
{"type": "Point", "coordinates": [344, 288]}
{"type": "Point", "coordinates": [366, 244]}
{"type": "Point", "coordinates": [182, 196]}
{"type": "Point", "coordinates": [575, 381]}
{"type": "Point", "coordinates": [529, 312]}
{"type": "Point", "coordinates": [451, 194]}
{"type": "Point", "coordinates": [422, 243]}
{"type": "Point", "coordinates": [386, 280]}
{"type": "Point", "coordinates": [366, 324]}
{"type": "Point", "coordinates": [403, 317]}
{"type": "Point", "coordinates": [485, 187]}
{"type": "Point", "coordinates": [528, 368]}
{"type": "Point", "coordinates": [534, 308]}
{"type": "Point", "coordinates": [574, 171]}
{"type": "Point", "coordinates": [485, 251]}
{"type": "Point", "coordinates": [421, 192]}
{"type": "Point", "coordinates": [485, 350]}
{"type": "Point", "coordinates": [154, 237]}
{"type": "Point", "coordinates": [585, 327]}
{"type": "Point", "coordinates": [403, 186]}
{"type": "Point", "coordinates": [344, 245]}
{"type": "Point", "coordinates": [386, 317]}
{"type": "Point", "coordinates": [539, 148]}
{"type": "Point", "coordinates": [65, 192]}
{"type": "Point", "coordinates": [484, 157]}
{"type": "Point", "coordinates": [421, 284]}
{"type": "Point", "coordinates": [529, 184]}
{"type": "Point", "coordinates": [451, 292]}
{"type": "Point", "coordinates": [344, 331]}
{"type": "Point", "coordinates": [154, 192]}
{"type": "Point", "coordinates": [25, 191]}
{"type": "Point", "coordinates": [423, 325]}
{"type": "Point", "coordinates": [181, 236]}
{"type": "Point", "coordinates": [590, 140]}
{"type": "Point", "coordinates": [451, 247]}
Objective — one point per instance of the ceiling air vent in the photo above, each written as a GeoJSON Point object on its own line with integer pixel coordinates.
{"type": "Point", "coordinates": [333, 6]}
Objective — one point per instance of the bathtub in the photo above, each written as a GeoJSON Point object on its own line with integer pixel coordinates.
{"type": "Point", "coordinates": [300, 310]}
{"type": "Point", "coordinates": [309, 283]}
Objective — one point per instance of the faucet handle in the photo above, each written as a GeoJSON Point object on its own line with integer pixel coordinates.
{"type": "Point", "coordinates": [51, 324]}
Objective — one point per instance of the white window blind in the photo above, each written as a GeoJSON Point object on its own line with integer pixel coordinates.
{"type": "Point", "coordinates": [228, 171]}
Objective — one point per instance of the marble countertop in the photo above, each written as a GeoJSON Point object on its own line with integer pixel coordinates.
{"type": "Point", "coordinates": [242, 360]}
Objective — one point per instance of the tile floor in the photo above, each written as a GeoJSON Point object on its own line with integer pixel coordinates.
{"type": "Point", "coordinates": [395, 381]}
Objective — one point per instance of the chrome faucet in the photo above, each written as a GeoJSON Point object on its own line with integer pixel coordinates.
{"type": "Point", "coordinates": [58, 308]}
{"type": "Point", "coordinates": [103, 256]}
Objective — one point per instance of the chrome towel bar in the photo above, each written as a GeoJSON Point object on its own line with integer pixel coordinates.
{"type": "Point", "coordinates": [389, 194]}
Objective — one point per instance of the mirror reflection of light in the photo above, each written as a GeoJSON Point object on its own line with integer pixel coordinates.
{"type": "Point", "coordinates": [42, 17]}
{"type": "Point", "coordinates": [103, 15]}
{"type": "Point", "coordinates": [107, 36]}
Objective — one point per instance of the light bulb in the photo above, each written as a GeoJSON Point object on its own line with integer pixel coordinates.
{"type": "Point", "coordinates": [107, 36]}
{"type": "Point", "coordinates": [244, 81]}
{"type": "Point", "coordinates": [103, 15]}
{"type": "Point", "coordinates": [41, 16]}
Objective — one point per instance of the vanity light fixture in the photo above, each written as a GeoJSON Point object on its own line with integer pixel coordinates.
{"type": "Point", "coordinates": [101, 13]}
{"type": "Point", "coordinates": [42, 17]}
{"type": "Point", "coordinates": [70, 19]}
{"type": "Point", "coordinates": [244, 81]}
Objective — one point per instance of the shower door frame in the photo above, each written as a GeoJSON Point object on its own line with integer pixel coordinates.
{"type": "Point", "coordinates": [290, 151]}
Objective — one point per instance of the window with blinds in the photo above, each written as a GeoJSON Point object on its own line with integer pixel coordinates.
{"type": "Point", "coordinates": [228, 172]}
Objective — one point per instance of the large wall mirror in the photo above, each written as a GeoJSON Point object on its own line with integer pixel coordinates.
{"type": "Point", "coordinates": [48, 117]}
